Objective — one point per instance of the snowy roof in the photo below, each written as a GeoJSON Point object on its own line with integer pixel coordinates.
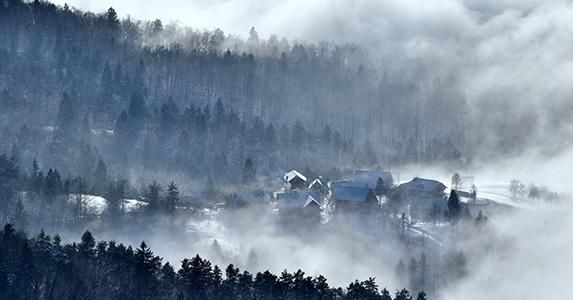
{"type": "Point", "coordinates": [350, 191]}
{"type": "Point", "coordinates": [370, 178]}
{"type": "Point", "coordinates": [311, 199]}
{"type": "Point", "coordinates": [297, 199]}
{"type": "Point", "coordinates": [423, 185]}
{"type": "Point", "coordinates": [320, 180]}
{"type": "Point", "coordinates": [292, 175]}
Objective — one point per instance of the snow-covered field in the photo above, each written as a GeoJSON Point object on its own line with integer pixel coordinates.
{"type": "Point", "coordinates": [97, 204]}
{"type": "Point", "coordinates": [499, 192]}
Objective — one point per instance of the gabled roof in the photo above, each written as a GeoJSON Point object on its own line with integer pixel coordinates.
{"type": "Point", "coordinates": [292, 175]}
{"type": "Point", "coordinates": [350, 191]}
{"type": "Point", "coordinates": [321, 181]}
{"type": "Point", "coordinates": [297, 199]}
{"type": "Point", "coordinates": [423, 185]}
{"type": "Point", "coordinates": [312, 200]}
{"type": "Point", "coordinates": [370, 178]}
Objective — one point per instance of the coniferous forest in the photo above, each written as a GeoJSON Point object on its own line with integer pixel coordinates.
{"type": "Point", "coordinates": [78, 87]}
{"type": "Point", "coordinates": [43, 267]}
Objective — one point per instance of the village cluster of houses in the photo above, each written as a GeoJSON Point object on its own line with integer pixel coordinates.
{"type": "Point", "coordinates": [362, 192]}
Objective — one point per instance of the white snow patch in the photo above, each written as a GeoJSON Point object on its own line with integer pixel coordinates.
{"type": "Point", "coordinates": [97, 204]}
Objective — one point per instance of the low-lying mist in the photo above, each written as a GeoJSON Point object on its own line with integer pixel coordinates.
{"type": "Point", "coordinates": [523, 254]}
{"type": "Point", "coordinates": [527, 257]}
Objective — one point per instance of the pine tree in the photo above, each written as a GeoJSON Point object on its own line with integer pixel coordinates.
{"type": "Point", "coordinates": [229, 285]}
{"type": "Point", "coordinates": [136, 111]}
{"type": "Point", "coordinates": [52, 185]}
{"type": "Point", "coordinates": [35, 168]}
{"type": "Point", "coordinates": [67, 114]}
{"type": "Point", "coordinates": [100, 178]}
{"type": "Point", "coordinates": [156, 26]}
{"type": "Point", "coordinates": [27, 275]}
{"type": "Point", "coordinates": [195, 276]}
{"type": "Point", "coordinates": [154, 196]}
{"type": "Point", "coordinates": [172, 198]}
{"type": "Point", "coordinates": [216, 250]}
{"type": "Point", "coordinates": [216, 282]}
{"type": "Point", "coordinates": [380, 189]}
{"type": "Point", "coordinates": [111, 17]}
{"type": "Point", "coordinates": [169, 117]}
{"type": "Point", "coordinates": [244, 285]}
{"type": "Point", "coordinates": [168, 279]}
{"type": "Point", "coordinates": [87, 246]}
{"type": "Point", "coordinates": [404, 224]}
{"type": "Point", "coordinates": [9, 178]}
{"type": "Point", "coordinates": [454, 207]}
{"type": "Point", "coordinates": [147, 268]}
{"type": "Point", "coordinates": [219, 112]}
{"type": "Point", "coordinates": [115, 195]}
{"type": "Point", "coordinates": [322, 288]}
{"type": "Point", "coordinates": [385, 295]}
{"type": "Point", "coordinates": [249, 172]}
{"type": "Point", "coordinates": [19, 216]}
{"type": "Point", "coordinates": [326, 135]}
{"type": "Point", "coordinates": [402, 295]}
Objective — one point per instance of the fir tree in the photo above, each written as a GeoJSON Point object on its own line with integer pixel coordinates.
{"type": "Point", "coordinates": [380, 189]}
{"type": "Point", "coordinates": [454, 207]}
{"type": "Point", "coordinates": [249, 172]}
{"type": "Point", "coordinates": [154, 196]}
{"type": "Point", "coordinates": [402, 295]}
{"type": "Point", "coordinates": [172, 197]}
{"type": "Point", "coordinates": [385, 295]}
{"type": "Point", "coordinates": [147, 268]}
{"type": "Point", "coordinates": [67, 114]}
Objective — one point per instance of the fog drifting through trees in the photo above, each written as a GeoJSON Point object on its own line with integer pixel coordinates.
{"type": "Point", "coordinates": [101, 104]}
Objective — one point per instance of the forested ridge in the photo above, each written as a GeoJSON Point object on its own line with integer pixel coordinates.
{"type": "Point", "coordinates": [78, 87]}
{"type": "Point", "coordinates": [43, 267]}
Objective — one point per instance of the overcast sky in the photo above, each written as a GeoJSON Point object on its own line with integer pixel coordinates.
{"type": "Point", "coordinates": [318, 18]}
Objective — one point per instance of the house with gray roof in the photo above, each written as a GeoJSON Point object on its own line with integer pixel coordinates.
{"type": "Point", "coordinates": [297, 200]}
{"type": "Point", "coordinates": [319, 184]}
{"type": "Point", "coordinates": [348, 194]}
{"type": "Point", "coordinates": [370, 178]}
{"type": "Point", "coordinates": [422, 187]}
{"type": "Point", "coordinates": [298, 206]}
